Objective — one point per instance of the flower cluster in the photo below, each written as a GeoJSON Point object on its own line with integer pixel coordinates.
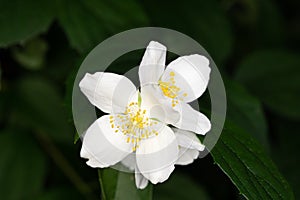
{"type": "Point", "coordinates": [136, 130]}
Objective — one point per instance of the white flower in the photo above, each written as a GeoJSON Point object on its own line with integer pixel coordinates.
{"type": "Point", "coordinates": [128, 128]}
{"type": "Point", "coordinates": [134, 132]}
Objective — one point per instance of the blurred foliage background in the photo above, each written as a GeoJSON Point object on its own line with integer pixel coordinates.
{"type": "Point", "coordinates": [255, 44]}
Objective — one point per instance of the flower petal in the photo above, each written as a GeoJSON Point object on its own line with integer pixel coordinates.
{"type": "Point", "coordinates": [186, 156]}
{"type": "Point", "coordinates": [157, 155]}
{"type": "Point", "coordinates": [140, 181]}
{"type": "Point", "coordinates": [191, 119]}
{"type": "Point", "coordinates": [102, 146]}
{"type": "Point", "coordinates": [160, 107]}
{"type": "Point", "coordinates": [153, 63]}
{"type": "Point", "coordinates": [108, 91]}
{"type": "Point", "coordinates": [191, 75]}
{"type": "Point", "coordinates": [188, 140]}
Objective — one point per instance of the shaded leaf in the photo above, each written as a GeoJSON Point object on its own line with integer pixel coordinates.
{"type": "Point", "coordinates": [244, 161]}
{"type": "Point", "coordinates": [246, 111]}
{"type": "Point", "coordinates": [22, 166]}
{"type": "Point", "coordinates": [87, 23]}
{"type": "Point", "coordinates": [273, 76]}
{"type": "Point", "coordinates": [21, 20]}
{"type": "Point", "coordinates": [41, 99]}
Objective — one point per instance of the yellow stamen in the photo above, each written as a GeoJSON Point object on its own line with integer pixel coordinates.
{"type": "Point", "coordinates": [169, 89]}
{"type": "Point", "coordinates": [135, 124]}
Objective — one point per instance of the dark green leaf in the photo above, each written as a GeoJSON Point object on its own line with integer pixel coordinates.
{"type": "Point", "coordinates": [248, 166]}
{"type": "Point", "coordinates": [83, 29]}
{"type": "Point", "coordinates": [20, 20]}
{"type": "Point", "coordinates": [87, 23]}
{"type": "Point", "coordinates": [273, 76]}
{"type": "Point", "coordinates": [118, 15]}
{"type": "Point", "coordinates": [108, 179]}
{"type": "Point", "coordinates": [40, 106]}
{"type": "Point", "coordinates": [121, 185]}
{"type": "Point", "coordinates": [246, 111]}
{"type": "Point", "coordinates": [179, 187]}
{"type": "Point", "coordinates": [22, 166]}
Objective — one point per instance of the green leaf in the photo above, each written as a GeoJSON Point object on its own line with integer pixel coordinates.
{"type": "Point", "coordinates": [118, 15]}
{"type": "Point", "coordinates": [120, 185]}
{"type": "Point", "coordinates": [82, 28]}
{"type": "Point", "coordinates": [244, 161]}
{"type": "Point", "coordinates": [22, 165]}
{"type": "Point", "coordinates": [173, 189]}
{"type": "Point", "coordinates": [21, 20]}
{"type": "Point", "coordinates": [273, 76]}
{"type": "Point", "coordinates": [41, 99]}
{"type": "Point", "coordinates": [88, 22]}
{"type": "Point", "coordinates": [246, 111]}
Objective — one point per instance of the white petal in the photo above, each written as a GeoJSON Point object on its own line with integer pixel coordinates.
{"type": "Point", "coordinates": [153, 63]}
{"type": "Point", "coordinates": [187, 156]}
{"type": "Point", "coordinates": [157, 155]}
{"type": "Point", "coordinates": [161, 175]}
{"type": "Point", "coordinates": [108, 91]}
{"type": "Point", "coordinates": [102, 146]}
{"type": "Point", "coordinates": [188, 140]}
{"type": "Point", "coordinates": [159, 106]}
{"type": "Point", "coordinates": [140, 181]}
{"type": "Point", "coordinates": [191, 119]}
{"type": "Point", "coordinates": [148, 95]}
{"type": "Point", "coordinates": [191, 75]}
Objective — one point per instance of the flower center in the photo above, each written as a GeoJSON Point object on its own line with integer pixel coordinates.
{"type": "Point", "coordinates": [134, 123]}
{"type": "Point", "coordinates": [169, 89]}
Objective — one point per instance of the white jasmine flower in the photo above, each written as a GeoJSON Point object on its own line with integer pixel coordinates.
{"type": "Point", "coordinates": [134, 131]}
{"type": "Point", "coordinates": [127, 130]}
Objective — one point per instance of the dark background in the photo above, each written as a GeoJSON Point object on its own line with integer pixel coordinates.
{"type": "Point", "coordinates": [255, 44]}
